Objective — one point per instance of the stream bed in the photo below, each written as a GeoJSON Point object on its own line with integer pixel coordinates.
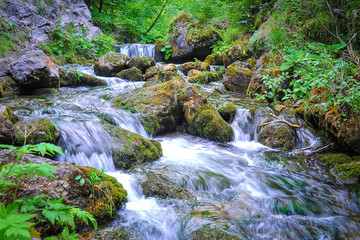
{"type": "Point", "coordinates": [236, 186]}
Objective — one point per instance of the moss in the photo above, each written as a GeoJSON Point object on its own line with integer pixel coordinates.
{"type": "Point", "coordinates": [208, 232]}
{"type": "Point", "coordinates": [208, 123]}
{"type": "Point", "coordinates": [160, 186]}
{"type": "Point", "coordinates": [69, 78]}
{"type": "Point", "coordinates": [133, 74]}
{"type": "Point", "coordinates": [36, 132]}
{"type": "Point", "coordinates": [131, 148]}
{"type": "Point", "coordinates": [227, 111]}
{"type": "Point", "coordinates": [45, 91]}
{"type": "Point", "coordinates": [206, 77]}
{"type": "Point", "coordinates": [348, 170]}
{"type": "Point", "coordinates": [9, 114]}
{"type": "Point", "coordinates": [277, 135]}
{"type": "Point", "coordinates": [334, 159]}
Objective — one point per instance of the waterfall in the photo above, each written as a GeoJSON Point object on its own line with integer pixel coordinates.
{"type": "Point", "coordinates": [132, 50]}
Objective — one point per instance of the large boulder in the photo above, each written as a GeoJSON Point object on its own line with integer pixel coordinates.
{"type": "Point", "coordinates": [150, 73]}
{"type": "Point", "coordinates": [133, 74]}
{"type": "Point", "coordinates": [35, 70]}
{"type": "Point", "coordinates": [202, 117]}
{"type": "Point", "coordinates": [237, 77]}
{"type": "Point", "coordinates": [132, 149]}
{"type": "Point", "coordinates": [158, 185]}
{"type": "Point", "coordinates": [191, 40]}
{"type": "Point", "coordinates": [206, 77]}
{"type": "Point", "coordinates": [33, 20]}
{"type": "Point", "coordinates": [110, 64]}
{"type": "Point", "coordinates": [101, 197]}
{"type": "Point", "coordinates": [277, 135]}
{"type": "Point", "coordinates": [158, 105]}
{"type": "Point", "coordinates": [201, 66]}
{"type": "Point", "coordinates": [142, 63]}
{"type": "Point", "coordinates": [238, 51]}
{"type": "Point", "coordinates": [36, 131]}
{"type": "Point", "coordinates": [70, 78]}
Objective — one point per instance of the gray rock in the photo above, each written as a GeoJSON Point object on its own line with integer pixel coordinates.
{"type": "Point", "coordinates": [142, 63]}
{"type": "Point", "coordinates": [133, 74]}
{"type": "Point", "coordinates": [191, 40]}
{"type": "Point", "coordinates": [237, 77]}
{"type": "Point", "coordinates": [35, 70]}
{"type": "Point", "coordinates": [110, 64]}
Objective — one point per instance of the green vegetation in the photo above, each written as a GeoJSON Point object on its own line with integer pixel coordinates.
{"type": "Point", "coordinates": [18, 217]}
{"type": "Point", "coordinates": [10, 37]}
{"type": "Point", "coordinates": [72, 45]}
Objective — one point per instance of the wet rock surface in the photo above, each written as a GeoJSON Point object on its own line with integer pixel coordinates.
{"type": "Point", "coordinates": [35, 70]}
{"type": "Point", "coordinates": [110, 64]}
{"type": "Point", "coordinates": [133, 74]}
{"type": "Point", "coordinates": [70, 78]}
{"type": "Point", "coordinates": [158, 185]}
{"type": "Point", "coordinates": [131, 149]}
{"type": "Point", "coordinates": [237, 77]}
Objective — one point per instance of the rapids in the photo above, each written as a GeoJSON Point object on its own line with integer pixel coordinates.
{"type": "Point", "coordinates": [238, 186]}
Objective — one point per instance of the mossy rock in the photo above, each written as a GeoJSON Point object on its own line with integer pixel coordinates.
{"type": "Point", "coordinates": [160, 186]}
{"type": "Point", "coordinates": [278, 136]}
{"type": "Point", "coordinates": [142, 63]}
{"type": "Point", "coordinates": [150, 73]}
{"type": "Point", "coordinates": [334, 159]}
{"type": "Point", "coordinates": [8, 87]}
{"type": "Point", "coordinates": [227, 111]}
{"type": "Point", "coordinates": [206, 77]}
{"type": "Point", "coordinates": [9, 114]}
{"type": "Point", "coordinates": [119, 234]}
{"type": "Point", "coordinates": [238, 51]}
{"type": "Point", "coordinates": [200, 66]}
{"type": "Point", "coordinates": [70, 78]}
{"type": "Point", "coordinates": [132, 74]}
{"type": "Point", "coordinates": [36, 131]}
{"type": "Point", "coordinates": [102, 197]}
{"type": "Point", "coordinates": [132, 149]}
{"type": "Point", "coordinates": [237, 77]}
{"type": "Point", "coordinates": [45, 91]}
{"type": "Point", "coordinates": [193, 72]}
{"type": "Point", "coordinates": [191, 39]}
{"type": "Point", "coordinates": [110, 64]}
{"type": "Point", "coordinates": [208, 232]}
{"type": "Point", "coordinates": [216, 59]}
{"type": "Point", "coordinates": [160, 103]}
{"type": "Point", "coordinates": [208, 123]}
{"type": "Point", "coordinates": [7, 131]}
{"type": "Point", "coordinates": [348, 170]}
{"type": "Point", "coordinates": [169, 67]}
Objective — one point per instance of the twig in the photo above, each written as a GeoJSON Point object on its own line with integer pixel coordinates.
{"type": "Point", "coordinates": [323, 148]}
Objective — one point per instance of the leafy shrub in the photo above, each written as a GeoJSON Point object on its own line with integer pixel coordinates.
{"type": "Point", "coordinates": [17, 217]}
{"type": "Point", "coordinates": [316, 66]}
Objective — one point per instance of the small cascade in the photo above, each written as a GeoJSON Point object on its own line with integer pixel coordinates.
{"type": "Point", "coordinates": [180, 72]}
{"type": "Point", "coordinates": [132, 49]}
{"type": "Point", "coordinates": [86, 144]}
{"type": "Point", "coordinates": [246, 123]}
{"type": "Point", "coordinates": [145, 215]}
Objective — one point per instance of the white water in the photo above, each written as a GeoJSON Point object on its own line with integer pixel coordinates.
{"type": "Point", "coordinates": [132, 50]}
{"type": "Point", "coordinates": [235, 185]}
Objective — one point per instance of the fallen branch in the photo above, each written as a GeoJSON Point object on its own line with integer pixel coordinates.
{"type": "Point", "coordinates": [323, 148]}
{"type": "Point", "coordinates": [280, 121]}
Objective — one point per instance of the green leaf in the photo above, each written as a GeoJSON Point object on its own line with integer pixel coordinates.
{"type": "Point", "coordinates": [77, 178]}
{"type": "Point", "coordinates": [82, 182]}
{"type": "Point", "coordinates": [336, 47]}
{"type": "Point", "coordinates": [286, 65]}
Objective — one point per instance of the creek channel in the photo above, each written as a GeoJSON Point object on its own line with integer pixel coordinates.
{"type": "Point", "coordinates": [242, 186]}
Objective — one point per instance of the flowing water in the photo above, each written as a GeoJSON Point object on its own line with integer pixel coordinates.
{"type": "Point", "coordinates": [133, 50]}
{"type": "Point", "coordinates": [240, 186]}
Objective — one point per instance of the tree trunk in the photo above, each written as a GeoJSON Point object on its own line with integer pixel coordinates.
{"type": "Point", "coordinates": [153, 24]}
{"type": "Point", "coordinates": [100, 6]}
